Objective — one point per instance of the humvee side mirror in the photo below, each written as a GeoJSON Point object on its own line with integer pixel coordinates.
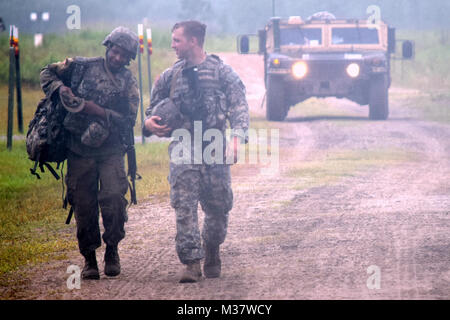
{"type": "Point", "coordinates": [244, 44]}
{"type": "Point", "coordinates": [408, 49]}
{"type": "Point", "coordinates": [262, 41]}
{"type": "Point", "coordinates": [391, 40]}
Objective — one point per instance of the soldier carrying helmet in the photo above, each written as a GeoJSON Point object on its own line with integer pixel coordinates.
{"type": "Point", "coordinates": [199, 88]}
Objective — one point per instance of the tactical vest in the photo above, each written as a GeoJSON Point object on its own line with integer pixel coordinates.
{"type": "Point", "coordinates": [199, 93]}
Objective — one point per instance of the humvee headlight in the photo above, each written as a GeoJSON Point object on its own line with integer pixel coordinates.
{"type": "Point", "coordinates": [353, 70]}
{"type": "Point", "coordinates": [276, 62]}
{"type": "Point", "coordinates": [299, 69]}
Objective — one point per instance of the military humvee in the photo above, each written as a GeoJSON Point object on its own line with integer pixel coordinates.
{"type": "Point", "coordinates": [326, 57]}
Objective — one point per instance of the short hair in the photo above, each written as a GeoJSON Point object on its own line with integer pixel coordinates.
{"type": "Point", "coordinates": [192, 28]}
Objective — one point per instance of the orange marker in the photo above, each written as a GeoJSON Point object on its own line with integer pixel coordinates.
{"type": "Point", "coordinates": [149, 41]}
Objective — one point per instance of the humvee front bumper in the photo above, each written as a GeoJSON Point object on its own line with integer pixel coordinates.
{"type": "Point", "coordinates": [327, 79]}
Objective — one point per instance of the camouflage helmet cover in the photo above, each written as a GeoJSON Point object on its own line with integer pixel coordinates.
{"type": "Point", "coordinates": [169, 113]}
{"type": "Point", "coordinates": [95, 134]}
{"type": "Point", "coordinates": [124, 38]}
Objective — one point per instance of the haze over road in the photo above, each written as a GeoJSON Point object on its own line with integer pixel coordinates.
{"type": "Point", "coordinates": [349, 194]}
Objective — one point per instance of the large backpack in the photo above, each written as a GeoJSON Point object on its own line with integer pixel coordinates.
{"type": "Point", "coordinates": [46, 140]}
{"type": "Point", "coordinates": [46, 136]}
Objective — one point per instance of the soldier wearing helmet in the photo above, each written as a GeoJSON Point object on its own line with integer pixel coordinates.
{"type": "Point", "coordinates": [123, 38]}
{"type": "Point", "coordinates": [93, 90]}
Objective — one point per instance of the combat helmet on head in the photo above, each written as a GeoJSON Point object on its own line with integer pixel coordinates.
{"type": "Point", "coordinates": [124, 38]}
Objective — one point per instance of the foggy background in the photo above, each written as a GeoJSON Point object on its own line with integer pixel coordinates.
{"type": "Point", "coordinates": [222, 16]}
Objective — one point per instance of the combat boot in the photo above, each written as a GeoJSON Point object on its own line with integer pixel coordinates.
{"type": "Point", "coordinates": [212, 265]}
{"type": "Point", "coordinates": [112, 261]}
{"type": "Point", "coordinates": [192, 273]}
{"type": "Point", "coordinates": [90, 270]}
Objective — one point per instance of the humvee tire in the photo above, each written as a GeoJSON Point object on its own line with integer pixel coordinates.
{"type": "Point", "coordinates": [276, 109]}
{"type": "Point", "coordinates": [378, 98]}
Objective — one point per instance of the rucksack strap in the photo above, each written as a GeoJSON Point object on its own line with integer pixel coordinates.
{"type": "Point", "coordinates": [69, 216]}
{"type": "Point", "coordinates": [65, 203]}
{"type": "Point", "coordinates": [33, 170]}
{"type": "Point", "coordinates": [50, 168]}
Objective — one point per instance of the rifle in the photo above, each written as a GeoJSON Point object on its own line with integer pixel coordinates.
{"type": "Point", "coordinates": [132, 166]}
{"type": "Point", "coordinates": [127, 134]}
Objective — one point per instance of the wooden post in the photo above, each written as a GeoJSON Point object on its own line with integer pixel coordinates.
{"type": "Point", "coordinates": [18, 80]}
{"type": "Point", "coordinates": [141, 51]}
{"type": "Point", "coordinates": [9, 134]}
{"type": "Point", "coordinates": [149, 67]}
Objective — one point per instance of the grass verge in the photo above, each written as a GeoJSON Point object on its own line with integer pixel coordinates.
{"type": "Point", "coordinates": [32, 225]}
{"type": "Point", "coordinates": [32, 228]}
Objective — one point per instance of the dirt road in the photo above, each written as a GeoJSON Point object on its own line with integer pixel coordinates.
{"type": "Point", "coordinates": [357, 210]}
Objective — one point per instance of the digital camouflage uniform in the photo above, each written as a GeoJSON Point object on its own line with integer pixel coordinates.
{"type": "Point", "coordinates": [96, 173]}
{"type": "Point", "coordinates": [220, 97]}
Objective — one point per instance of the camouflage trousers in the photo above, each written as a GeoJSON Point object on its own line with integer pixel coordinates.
{"type": "Point", "coordinates": [93, 183]}
{"type": "Point", "coordinates": [211, 186]}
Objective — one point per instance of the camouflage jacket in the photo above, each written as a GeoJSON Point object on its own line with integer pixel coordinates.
{"type": "Point", "coordinates": [90, 79]}
{"type": "Point", "coordinates": [219, 95]}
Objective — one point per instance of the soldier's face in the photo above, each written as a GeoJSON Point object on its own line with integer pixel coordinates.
{"type": "Point", "coordinates": [181, 44]}
{"type": "Point", "coordinates": [116, 58]}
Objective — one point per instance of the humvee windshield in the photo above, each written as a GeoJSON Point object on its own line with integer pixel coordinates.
{"type": "Point", "coordinates": [300, 36]}
{"type": "Point", "coordinates": [354, 36]}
